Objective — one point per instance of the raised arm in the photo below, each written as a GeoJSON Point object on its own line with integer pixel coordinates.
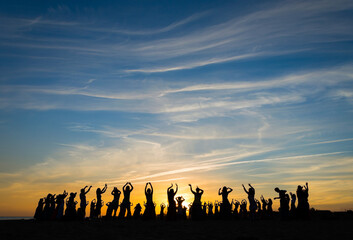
{"type": "Point", "coordinates": [88, 189]}
{"type": "Point", "coordinates": [230, 190]}
{"type": "Point", "coordinates": [151, 187]}
{"type": "Point", "coordinates": [105, 188]}
{"type": "Point", "coordinates": [132, 187]}
{"type": "Point", "coordinates": [191, 189]}
{"type": "Point", "coordinates": [170, 187]}
{"type": "Point", "coordinates": [250, 185]}
{"type": "Point", "coordinates": [176, 190]}
{"type": "Point", "coordinates": [146, 188]}
{"type": "Point", "coordinates": [245, 188]}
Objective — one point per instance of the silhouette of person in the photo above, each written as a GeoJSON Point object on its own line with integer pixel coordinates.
{"type": "Point", "coordinates": [243, 209]}
{"type": "Point", "coordinates": [83, 202]}
{"type": "Point", "coordinates": [180, 210]}
{"type": "Point", "coordinates": [150, 211]}
{"type": "Point", "coordinates": [269, 207]}
{"type": "Point", "coordinates": [210, 209]}
{"type": "Point", "coordinates": [93, 209]}
{"type": "Point", "coordinates": [47, 211]}
{"type": "Point", "coordinates": [236, 204]}
{"type": "Point", "coordinates": [137, 211]}
{"type": "Point", "coordinates": [39, 210]}
{"type": "Point", "coordinates": [125, 204]}
{"type": "Point", "coordinates": [196, 205]}
{"type": "Point", "coordinates": [258, 204]}
{"type": "Point", "coordinates": [251, 197]}
{"type": "Point", "coordinates": [161, 214]}
{"type": "Point", "coordinates": [226, 208]}
{"type": "Point", "coordinates": [216, 211]}
{"type": "Point", "coordinates": [284, 203]}
{"type": "Point", "coordinates": [60, 203]}
{"type": "Point", "coordinates": [99, 203]}
{"type": "Point", "coordinates": [264, 204]}
{"type": "Point", "coordinates": [70, 212]}
{"type": "Point", "coordinates": [115, 203]}
{"type": "Point", "coordinates": [303, 203]}
{"type": "Point", "coordinates": [171, 214]}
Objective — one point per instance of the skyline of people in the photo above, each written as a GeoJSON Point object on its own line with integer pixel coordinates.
{"type": "Point", "coordinates": [52, 206]}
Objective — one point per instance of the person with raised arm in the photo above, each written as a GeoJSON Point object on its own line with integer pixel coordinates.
{"type": "Point", "coordinates": [171, 214]}
{"type": "Point", "coordinates": [150, 210]}
{"type": "Point", "coordinates": [161, 213]}
{"type": "Point", "coordinates": [99, 204]}
{"type": "Point", "coordinates": [303, 203]}
{"type": "Point", "coordinates": [226, 208]}
{"type": "Point", "coordinates": [180, 210]}
{"type": "Point", "coordinates": [252, 203]}
{"type": "Point", "coordinates": [283, 202]}
{"type": "Point", "coordinates": [126, 204]}
{"type": "Point", "coordinates": [60, 203]}
{"type": "Point", "coordinates": [196, 205]}
{"type": "Point", "coordinates": [83, 202]}
{"type": "Point", "coordinates": [115, 203]}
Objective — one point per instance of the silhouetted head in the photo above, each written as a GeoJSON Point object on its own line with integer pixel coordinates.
{"type": "Point", "coordinates": [82, 190]}
{"type": "Point", "coordinates": [127, 188]}
{"type": "Point", "coordinates": [277, 189]}
{"type": "Point", "coordinates": [198, 190]}
{"type": "Point", "coordinates": [98, 191]}
{"type": "Point", "coordinates": [251, 191]}
{"type": "Point", "coordinates": [171, 190]}
{"type": "Point", "coordinates": [299, 188]}
{"type": "Point", "coordinates": [148, 191]}
{"type": "Point", "coordinates": [224, 189]}
{"type": "Point", "coordinates": [72, 195]}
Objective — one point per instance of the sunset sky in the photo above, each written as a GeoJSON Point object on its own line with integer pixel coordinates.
{"type": "Point", "coordinates": [210, 93]}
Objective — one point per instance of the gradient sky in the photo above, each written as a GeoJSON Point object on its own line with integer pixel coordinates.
{"type": "Point", "coordinates": [210, 93]}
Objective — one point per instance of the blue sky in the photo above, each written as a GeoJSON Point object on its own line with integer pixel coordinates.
{"type": "Point", "coordinates": [207, 92]}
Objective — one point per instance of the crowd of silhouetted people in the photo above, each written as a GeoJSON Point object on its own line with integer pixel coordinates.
{"type": "Point", "coordinates": [55, 207]}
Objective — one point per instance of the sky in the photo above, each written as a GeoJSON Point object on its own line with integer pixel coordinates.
{"type": "Point", "coordinates": [210, 93]}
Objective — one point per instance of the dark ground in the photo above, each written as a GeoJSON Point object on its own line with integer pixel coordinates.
{"type": "Point", "coordinates": [182, 230]}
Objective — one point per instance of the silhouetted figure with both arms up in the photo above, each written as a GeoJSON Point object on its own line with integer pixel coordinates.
{"type": "Point", "coordinates": [99, 203]}
{"type": "Point", "coordinates": [150, 211]}
{"type": "Point", "coordinates": [180, 209]}
{"type": "Point", "coordinates": [226, 208]}
{"type": "Point", "coordinates": [243, 209]}
{"type": "Point", "coordinates": [171, 214]}
{"type": "Point", "coordinates": [252, 203]}
{"type": "Point", "coordinates": [236, 204]}
{"type": "Point", "coordinates": [83, 202]}
{"type": "Point", "coordinates": [115, 203]}
{"type": "Point", "coordinates": [196, 213]}
{"type": "Point", "coordinates": [92, 213]}
{"type": "Point", "coordinates": [303, 203]}
{"type": "Point", "coordinates": [161, 213]}
{"type": "Point", "coordinates": [125, 204]}
{"type": "Point", "coordinates": [283, 201]}
{"type": "Point", "coordinates": [60, 203]}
